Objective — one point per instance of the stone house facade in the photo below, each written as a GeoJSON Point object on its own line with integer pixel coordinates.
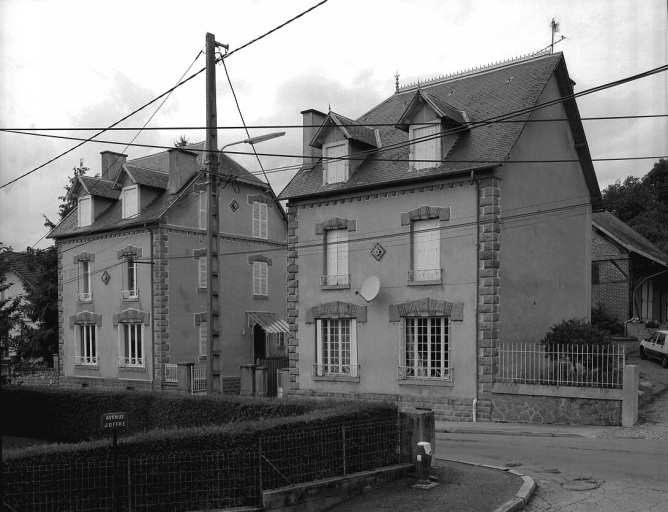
{"type": "Point", "coordinates": [132, 260]}
{"type": "Point", "coordinates": [458, 216]}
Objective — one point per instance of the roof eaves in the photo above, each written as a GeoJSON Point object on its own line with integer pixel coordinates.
{"type": "Point", "coordinates": [628, 246]}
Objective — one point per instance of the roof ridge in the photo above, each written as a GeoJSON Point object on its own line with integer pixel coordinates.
{"type": "Point", "coordinates": [472, 71]}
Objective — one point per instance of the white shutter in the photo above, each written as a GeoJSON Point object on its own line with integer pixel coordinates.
{"type": "Point", "coordinates": [318, 344]}
{"type": "Point", "coordinates": [426, 149]}
{"type": "Point", "coordinates": [342, 254]}
{"type": "Point", "coordinates": [332, 256]}
{"type": "Point", "coordinates": [263, 278]}
{"type": "Point", "coordinates": [130, 200]}
{"type": "Point", "coordinates": [335, 169]}
{"type": "Point", "coordinates": [259, 219]}
{"type": "Point", "coordinates": [85, 212]}
{"type": "Point", "coordinates": [202, 217]}
{"type": "Point", "coordinates": [203, 337]}
{"type": "Point", "coordinates": [353, 348]}
{"type": "Point", "coordinates": [263, 220]}
{"type": "Point", "coordinates": [256, 278]}
{"type": "Point", "coordinates": [202, 264]}
{"type": "Point", "coordinates": [426, 248]}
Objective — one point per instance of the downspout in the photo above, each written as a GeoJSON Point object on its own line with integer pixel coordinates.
{"type": "Point", "coordinates": [477, 284]}
{"type": "Point", "coordinates": [152, 379]}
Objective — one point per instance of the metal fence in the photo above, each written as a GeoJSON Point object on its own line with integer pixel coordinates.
{"type": "Point", "coordinates": [598, 366]}
{"type": "Point", "coordinates": [171, 372]}
{"type": "Point", "coordinates": [186, 481]}
{"type": "Point", "coordinates": [198, 379]}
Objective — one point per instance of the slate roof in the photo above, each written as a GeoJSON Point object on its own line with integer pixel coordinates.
{"type": "Point", "coordinates": [147, 171]}
{"type": "Point", "coordinates": [99, 187]}
{"type": "Point", "coordinates": [628, 237]}
{"type": "Point", "coordinates": [482, 95]}
{"type": "Point", "coordinates": [351, 130]}
{"type": "Point", "coordinates": [18, 263]}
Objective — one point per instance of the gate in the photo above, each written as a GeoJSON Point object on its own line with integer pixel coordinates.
{"type": "Point", "coordinates": [273, 364]}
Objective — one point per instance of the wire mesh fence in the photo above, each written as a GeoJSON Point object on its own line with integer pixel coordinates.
{"type": "Point", "coordinates": [186, 481]}
{"type": "Point", "coordinates": [562, 365]}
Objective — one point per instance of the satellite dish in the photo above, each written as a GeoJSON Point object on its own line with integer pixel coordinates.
{"type": "Point", "coordinates": [370, 288]}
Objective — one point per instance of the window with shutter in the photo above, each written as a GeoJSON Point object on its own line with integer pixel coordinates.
{"type": "Point", "coordinates": [85, 214]}
{"type": "Point", "coordinates": [335, 163]}
{"type": "Point", "coordinates": [336, 260]}
{"type": "Point", "coordinates": [201, 219]}
{"type": "Point", "coordinates": [130, 286]}
{"type": "Point", "coordinates": [260, 219]}
{"type": "Point", "coordinates": [260, 278]}
{"type": "Point", "coordinates": [203, 338]}
{"type": "Point", "coordinates": [130, 201]}
{"type": "Point", "coordinates": [426, 251]}
{"type": "Point", "coordinates": [85, 292]}
{"type": "Point", "coordinates": [425, 152]}
{"type": "Point", "coordinates": [202, 271]}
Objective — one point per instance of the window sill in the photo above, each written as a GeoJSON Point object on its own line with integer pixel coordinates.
{"type": "Point", "coordinates": [425, 382]}
{"type": "Point", "coordinates": [130, 299]}
{"type": "Point", "coordinates": [80, 301]}
{"type": "Point", "coordinates": [202, 358]}
{"type": "Point", "coordinates": [261, 297]}
{"type": "Point", "coordinates": [132, 369]}
{"type": "Point", "coordinates": [336, 378]}
{"type": "Point", "coordinates": [435, 282]}
{"type": "Point", "coordinates": [201, 288]}
{"type": "Point", "coordinates": [335, 287]}
{"type": "Point", "coordinates": [86, 367]}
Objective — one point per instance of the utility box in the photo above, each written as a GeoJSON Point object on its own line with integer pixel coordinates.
{"type": "Point", "coordinates": [247, 380]}
{"type": "Point", "coordinates": [423, 462]}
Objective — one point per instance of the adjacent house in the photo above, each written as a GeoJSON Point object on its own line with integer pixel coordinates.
{"type": "Point", "coordinates": [469, 199]}
{"type": "Point", "coordinates": [133, 272]}
{"type": "Point", "coordinates": [629, 273]}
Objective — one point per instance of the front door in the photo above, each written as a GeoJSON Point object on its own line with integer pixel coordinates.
{"type": "Point", "coordinates": [259, 343]}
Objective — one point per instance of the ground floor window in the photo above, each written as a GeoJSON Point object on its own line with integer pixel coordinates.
{"type": "Point", "coordinates": [336, 347]}
{"type": "Point", "coordinates": [131, 346]}
{"type": "Point", "coordinates": [426, 349]}
{"type": "Point", "coordinates": [86, 345]}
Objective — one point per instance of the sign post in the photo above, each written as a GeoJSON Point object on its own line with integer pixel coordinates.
{"type": "Point", "coordinates": [114, 421]}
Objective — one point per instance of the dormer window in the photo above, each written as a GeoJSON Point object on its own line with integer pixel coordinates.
{"type": "Point", "coordinates": [85, 211]}
{"type": "Point", "coordinates": [336, 163]}
{"type": "Point", "coordinates": [130, 200]}
{"type": "Point", "coordinates": [425, 148]}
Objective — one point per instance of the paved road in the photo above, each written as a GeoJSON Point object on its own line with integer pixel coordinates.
{"type": "Point", "coordinates": [574, 474]}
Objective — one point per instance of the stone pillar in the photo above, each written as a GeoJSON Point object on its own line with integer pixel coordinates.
{"type": "Point", "coordinates": [416, 426]}
{"type": "Point", "coordinates": [293, 296]}
{"type": "Point", "coordinates": [630, 396]}
{"type": "Point", "coordinates": [247, 380]}
{"type": "Point", "coordinates": [489, 231]}
{"type": "Point", "coordinates": [260, 381]}
{"type": "Point", "coordinates": [160, 270]}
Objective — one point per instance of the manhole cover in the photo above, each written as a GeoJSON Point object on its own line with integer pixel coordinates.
{"type": "Point", "coordinates": [581, 484]}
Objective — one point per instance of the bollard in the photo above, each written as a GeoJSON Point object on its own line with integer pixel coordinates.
{"type": "Point", "coordinates": [423, 462]}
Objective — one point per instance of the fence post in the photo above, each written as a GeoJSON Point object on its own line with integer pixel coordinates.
{"type": "Point", "coordinates": [630, 395]}
{"type": "Point", "coordinates": [343, 429]}
{"type": "Point", "coordinates": [259, 451]}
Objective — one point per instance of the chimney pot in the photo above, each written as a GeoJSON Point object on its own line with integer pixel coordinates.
{"type": "Point", "coordinates": [312, 119]}
{"type": "Point", "coordinates": [111, 164]}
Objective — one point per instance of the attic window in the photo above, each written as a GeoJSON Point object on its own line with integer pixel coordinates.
{"type": "Point", "coordinates": [425, 148]}
{"type": "Point", "coordinates": [85, 212]}
{"type": "Point", "coordinates": [336, 164]}
{"type": "Point", "coordinates": [130, 200]}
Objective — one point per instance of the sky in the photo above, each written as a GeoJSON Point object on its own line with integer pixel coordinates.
{"type": "Point", "coordinates": [84, 64]}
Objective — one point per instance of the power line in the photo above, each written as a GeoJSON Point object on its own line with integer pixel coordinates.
{"type": "Point", "coordinates": [157, 98]}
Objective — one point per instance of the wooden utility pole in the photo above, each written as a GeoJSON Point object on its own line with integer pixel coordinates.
{"type": "Point", "coordinates": [214, 380]}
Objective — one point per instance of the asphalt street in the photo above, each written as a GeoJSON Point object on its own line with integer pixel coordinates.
{"type": "Point", "coordinates": [574, 473]}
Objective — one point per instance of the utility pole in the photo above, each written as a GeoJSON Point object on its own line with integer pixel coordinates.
{"type": "Point", "coordinates": [214, 381]}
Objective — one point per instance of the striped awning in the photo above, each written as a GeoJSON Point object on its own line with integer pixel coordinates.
{"type": "Point", "coordinates": [270, 322]}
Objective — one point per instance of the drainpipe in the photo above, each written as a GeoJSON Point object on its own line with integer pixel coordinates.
{"type": "Point", "coordinates": [477, 284]}
{"type": "Point", "coordinates": [152, 379]}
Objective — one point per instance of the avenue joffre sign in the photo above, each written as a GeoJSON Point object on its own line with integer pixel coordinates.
{"type": "Point", "coordinates": [114, 420]}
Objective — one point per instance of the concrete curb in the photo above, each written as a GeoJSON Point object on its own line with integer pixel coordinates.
{"type": "Point", "coordinates": [523, 494]}
{"type": "Point", "coordinates": [508, 432]}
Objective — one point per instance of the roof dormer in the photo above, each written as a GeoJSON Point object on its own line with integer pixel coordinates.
{"type": "Point", "coordinates": [433, 127]}
{"type": "Point", "coordinates": [339, 138]}
{"type": "Point", "coordinates": [94, 196]}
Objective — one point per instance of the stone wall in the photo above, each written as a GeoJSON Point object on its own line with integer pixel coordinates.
{"type": "Point", "coordinates": [514, 408]}
{"type": "Point", "coordinates": [47, 378]}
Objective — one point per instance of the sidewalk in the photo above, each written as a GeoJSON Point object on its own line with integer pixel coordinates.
{"type": "Point", "coordinates": [519, 429]}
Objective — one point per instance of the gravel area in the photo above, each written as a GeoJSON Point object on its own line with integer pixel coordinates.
{"type": "Point", "coordinates": [462, 488]}
{"type": "Point", "coordinates": [652, 422]}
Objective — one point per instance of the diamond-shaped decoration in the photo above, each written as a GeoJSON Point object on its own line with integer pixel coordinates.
{"type": "Point", "coordinates": [378, 252]}
{"type": "Point", "coordinates": [106, 277]}
{"type": "Point", "coordinates": [234, 206]}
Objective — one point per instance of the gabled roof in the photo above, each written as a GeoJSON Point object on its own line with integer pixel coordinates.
{"type": "Point", "coordinates": [440, 107]}
{"type": "Point", "coordinates": [94, 187]}
{"type": "Point", "coordinates": [627, 237]}
{"type": "Point", "coordinates": [151, 170]}
{"type": "Point", "coordinates": [483, 94]}
{"type": "Point", "coordinates": [18, 263]}
{"type": "Point", "coordinates": [352, 130]}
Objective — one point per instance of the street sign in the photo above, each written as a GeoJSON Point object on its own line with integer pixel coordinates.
{"type": "Point", "coordinates": [114, 420]}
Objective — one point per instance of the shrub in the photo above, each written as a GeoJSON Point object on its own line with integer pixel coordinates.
{"type": "Point", "coordinates": [606, 323]}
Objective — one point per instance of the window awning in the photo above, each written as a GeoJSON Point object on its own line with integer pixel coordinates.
{"type": "Point", "coordinates": [270, 322]}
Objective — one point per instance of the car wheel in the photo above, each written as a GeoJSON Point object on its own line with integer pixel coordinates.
{"type": "Point", "coordinates": [643, 354]}
{"type": "Point", "coordinates": [664, 361]}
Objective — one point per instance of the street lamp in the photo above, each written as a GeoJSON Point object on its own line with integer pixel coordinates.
{"type": "Point", "coordinates": [214, 349]}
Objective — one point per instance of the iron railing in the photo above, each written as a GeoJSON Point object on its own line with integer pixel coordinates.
{"type": "Point", "coordinates": [421, 373]}
{"type": "Point", "coordinates": [562, 365]}
{"type": "Point", "coordinates": [83, 297]}
{"type": "Point", "coordinates": [335, 280]}
{"type": "Point", "coordinates": [130, 294]}
{"type": "Point", "coordinates": [432, 274]}
{"type": "Point", "coordinates": [171, 372]}
{"type": "Point", "coordinates": [131, 362]}
{"type": "Point", "coordinates": [198, 379]}
{"type": "Point", "coordinates": [86, 360]}
{"type": "Point", "coordinates": [324, 370]}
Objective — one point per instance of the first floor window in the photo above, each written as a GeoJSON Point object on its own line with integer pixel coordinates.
{"type": "Point", "coordinates": [336, 347]}
{"type": "Point", "coordinates": [260, 278]}
{"type": "Point", "coordinates": [336, 258]}
{"type": "Point", "coordinates": [86, 345]}
{"type": "Point", "coordinates": [426, 349]}
{"type": "Point", "coordinates": [85, 293]}
{"type": "Point", "coordinates": [131, 346]}
{"type": "Point", "coordinates": [131, 291]}
{"type": "Point", "coordinates": [426, 251]}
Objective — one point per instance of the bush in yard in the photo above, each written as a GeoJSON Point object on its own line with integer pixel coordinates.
{"type": "Point", "coordinates": [607, 324]}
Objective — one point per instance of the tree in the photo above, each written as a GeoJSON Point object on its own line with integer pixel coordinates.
{"type": "Point", "coordinates": [68, 203]}
{"type": "Point", "coordinates": [10, 307]}
{"type": "Point", "coordinates": [182, 141]}
{"type": "Point", "coordinates": [642, 203]}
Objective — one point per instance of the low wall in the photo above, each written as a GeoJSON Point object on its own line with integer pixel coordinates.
{"type": "Point", "coordinates": [46, 378]}
{"type": "Point", "coordinates": [527, 403]}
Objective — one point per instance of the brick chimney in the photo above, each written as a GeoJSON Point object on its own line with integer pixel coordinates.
{"type": "Point", "coordinates": [312, 119]}
{"type": "Point", "coordinates": [111, 164]}
{"type": "Point", "coordinates": [182, 166]}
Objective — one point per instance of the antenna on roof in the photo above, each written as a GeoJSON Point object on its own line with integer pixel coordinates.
{"type": "Point", "coordinates": [554, 25]}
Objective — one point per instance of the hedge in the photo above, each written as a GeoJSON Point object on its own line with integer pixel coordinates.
{"type": "Point", "coordinates": [75, 415]}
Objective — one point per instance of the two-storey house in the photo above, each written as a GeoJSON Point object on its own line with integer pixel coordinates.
{"type": "Point", "coordinates": [469, 199]}
{"type": "Point", "coordinates": [133, 272]}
